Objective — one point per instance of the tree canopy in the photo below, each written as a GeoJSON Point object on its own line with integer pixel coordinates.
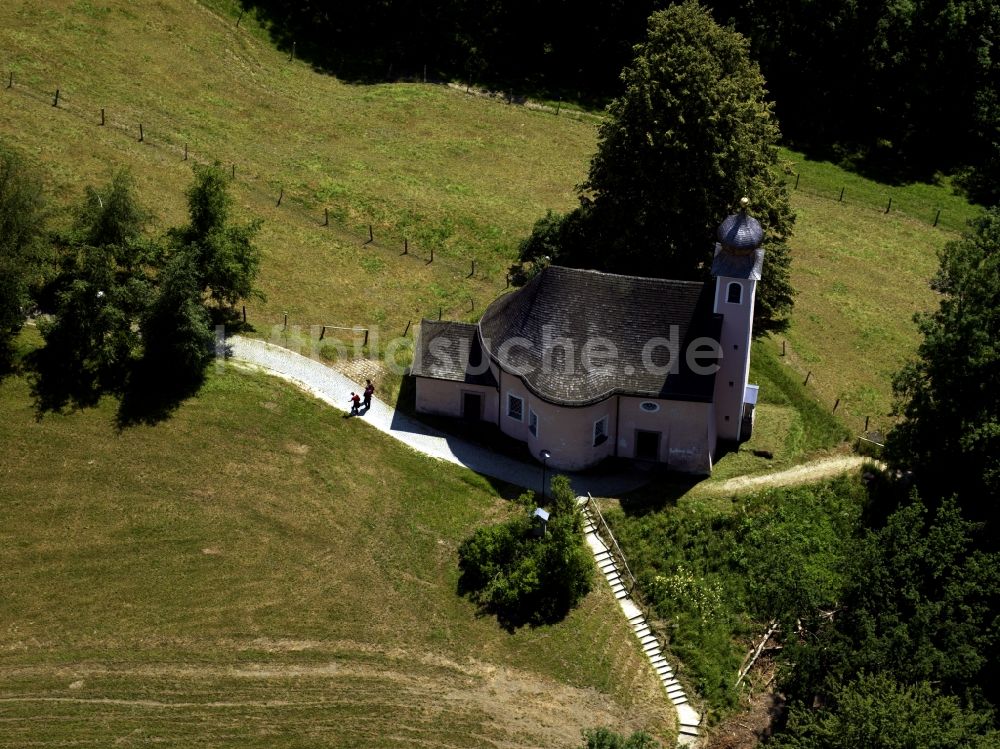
{"type": "Point", "coordinates": [949, 396]}
{"type": "Point", "coordinates": [22, 249]}
{"type": "Point", "coordinates": [225, 259]}
{"type": "Point", "coordinates": [691, 135]}
{"type": "Point", "coordinates": [130, 314]}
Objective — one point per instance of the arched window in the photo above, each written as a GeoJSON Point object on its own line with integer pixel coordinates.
{"type": "Point", "coordinates": [734, 294]}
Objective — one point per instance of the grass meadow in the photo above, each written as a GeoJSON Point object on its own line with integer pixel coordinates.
{"type": "Point", "coordinates": [459, 175]}
{"type": "Point", "coordinates": [258, 571]}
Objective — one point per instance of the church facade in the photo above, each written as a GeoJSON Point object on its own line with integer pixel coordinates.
{"type": "Point", "coordinates": [587, 365]}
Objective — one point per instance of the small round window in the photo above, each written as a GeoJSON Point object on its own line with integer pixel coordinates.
{"type": "Point", "coordinates": [649, 406]}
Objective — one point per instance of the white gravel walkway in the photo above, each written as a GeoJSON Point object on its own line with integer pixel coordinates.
{"type": "Point", "coordinates": [335, 389]}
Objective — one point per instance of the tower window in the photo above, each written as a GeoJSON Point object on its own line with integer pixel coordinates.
{"type": "Point", "coordinates": [734, 293]}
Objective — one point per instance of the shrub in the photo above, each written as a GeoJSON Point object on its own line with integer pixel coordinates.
{"type": "Point", "coordinates": [525, 579]}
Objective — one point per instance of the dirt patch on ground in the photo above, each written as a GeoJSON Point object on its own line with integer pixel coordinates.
{"type": "Point", "coordinates": [750, 726]}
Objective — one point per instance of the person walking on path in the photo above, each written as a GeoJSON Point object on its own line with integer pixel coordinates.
{"type": "Point", "coordinates": [355, 403]}
{"type": "Point", "coordinates": [369, 389]}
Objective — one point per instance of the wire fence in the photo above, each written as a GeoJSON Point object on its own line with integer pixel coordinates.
{"type": "Point", "coordinates": [158, 134]}
{"type": "Point", "coordinates": [876, 198]}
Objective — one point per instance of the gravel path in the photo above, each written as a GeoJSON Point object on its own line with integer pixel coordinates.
{"type": "Point", "coordinates": [807, 473]}
{"type": "Point", "coordinates": [334, 389]}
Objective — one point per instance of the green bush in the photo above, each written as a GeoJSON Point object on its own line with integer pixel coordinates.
{"type": "Point", "coordinates": [523, 578]}
{"type": "Point", "coordinates": [605, 738]}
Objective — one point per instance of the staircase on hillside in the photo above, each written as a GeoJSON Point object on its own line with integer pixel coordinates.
{"type": "Point", "coordinates": [611, 562]}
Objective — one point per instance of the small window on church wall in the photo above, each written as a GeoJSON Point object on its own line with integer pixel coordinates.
{"type": "Point", "coordinates": [734, 294]}
{"type": "Point", "coordinates": [601, 431]}
{"type": "Point", "coordinates": [515, 407]}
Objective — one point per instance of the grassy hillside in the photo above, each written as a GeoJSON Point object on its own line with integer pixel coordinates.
{"type": "Point", "coordinates": [463, 175]}
{"type": "Point", "coordinates": [239, 576]}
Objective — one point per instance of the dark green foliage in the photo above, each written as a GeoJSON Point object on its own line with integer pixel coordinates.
{"type": "Point", "coordinates": [921, 609]}
{"type": "Point", "coordinates": [691, 135]}
{"type": "Point", "coordinates": [176, 327]}
{"type": "Point", "coordinates": [877, 711]}
{"type": "Point", "coordinates": [903, 90]}
{"type": "Point", "coordinates": [950, 396]}
{"type": "Point", "coordinates": [91, 340]}
{"type": "Point", "coordinates": [226, 260]}
{"type": "Point", "coordinates": [605, 738]}
{"type": "Point", "coordinates": [921, 605]}
{"type": "Point", "coordinates": [112, 216]}
{"type": "Point", "coordinates": [22, 251]}
{"type": "Point", "coordinates": [524, 579]}
{"type": "Point", "coordinates": [129, 316]}
{"type": "Point", "coordinates": [720, 577]}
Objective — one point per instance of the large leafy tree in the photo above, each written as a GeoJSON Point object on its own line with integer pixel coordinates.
{"type": "Point", "coordinates": [692, 134]}
{"type": "Point", "coordinates": [950, 396]}
{"type": "Point", "coordinates": [97, 298]}
{"type": "Point", "coordinates": [226, 260]}
{"type": "Point", "coordinates": [22, 249]}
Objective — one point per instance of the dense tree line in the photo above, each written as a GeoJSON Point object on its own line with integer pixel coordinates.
{"type": "Point", "coordinates": [902, 89]}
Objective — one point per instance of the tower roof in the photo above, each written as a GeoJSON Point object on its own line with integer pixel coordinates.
{"type": "Point", "coordinates": [738, 253]}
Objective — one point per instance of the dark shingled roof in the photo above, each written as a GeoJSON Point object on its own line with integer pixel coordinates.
{"type": "Point", "coordinates": [590, 310]}
{"type": "Point", "coordinates": [741, 232]}
{"type": "Point", "coordinates": [738, 265]}
{"type": "Point", "coordinates": [451, 351]}
{"type": "Point", "coordinates": [738, 254]}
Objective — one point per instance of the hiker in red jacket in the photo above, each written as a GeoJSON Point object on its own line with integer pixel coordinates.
{"type": "Point", "coordinates": [369, 389]}
{"type": "Point", "coordinates": [355, 403]}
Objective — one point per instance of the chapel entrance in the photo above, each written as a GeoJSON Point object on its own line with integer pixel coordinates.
{"type": "Point", "coordinates": [647, 445]}
{"type": "Point", "coordinates": [472, 406]}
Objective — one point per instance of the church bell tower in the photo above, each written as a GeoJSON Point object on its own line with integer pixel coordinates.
{"type": "Point", "coordinates": [736, 267]}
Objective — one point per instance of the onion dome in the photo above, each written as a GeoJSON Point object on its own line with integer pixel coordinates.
{"type": "Point", "coordinates": [738, 253]}
{"type": "Point", "coordinates": [740, 232]}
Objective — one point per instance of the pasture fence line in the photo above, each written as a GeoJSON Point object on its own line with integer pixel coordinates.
{"type": "Point", "coordinates": [160, 134]}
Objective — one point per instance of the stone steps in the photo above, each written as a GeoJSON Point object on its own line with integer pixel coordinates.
{"type": "Point", "coordinates": [689, 720]}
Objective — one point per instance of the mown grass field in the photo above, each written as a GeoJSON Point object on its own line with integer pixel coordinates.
{"type": "Point", "coordinates": [463, 175]}
{"type": "Point", "coordinates": [258, 571]}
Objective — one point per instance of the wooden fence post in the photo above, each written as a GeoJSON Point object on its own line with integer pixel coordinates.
{"type": "Point", "coordinates": [841, 198]}
{"type": "Point", "coordinates": [286, 321]}
{"type": "Point", "coordinates": [141, 136]}
{"type": "Point", "coordinates": [407, 328]}
{"type": "Point", "coordinates": [102, 116]}
{"type": "Point", "coordinates": [808, 375]}
{"type": "Point", "coordinates": [55, 101]}
{"type": "Point", "coordinates": [10, 83]}
{"type": "Point", "coordinates": [280, 196]}
{"type": "Point", "coordinates": [406, 246]}
{"type": "Point", "coordinates": [244, 314]}
{"type": "Point", "coordinates": [889, 207]}
{"type": "Point", "coordinates": [836, 403]}
{"type": "Point", "coordinates": [326, 217]}
{"type": "Point", "coordinates": [796, 181]}
{"type": "Point", "coordinates": [185, 151]}
{"type": "Point", "coordinates": [937, 217]}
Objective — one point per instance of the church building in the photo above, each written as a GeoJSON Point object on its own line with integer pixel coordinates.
{"type": "Point", "coordinates": [587, 365]}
